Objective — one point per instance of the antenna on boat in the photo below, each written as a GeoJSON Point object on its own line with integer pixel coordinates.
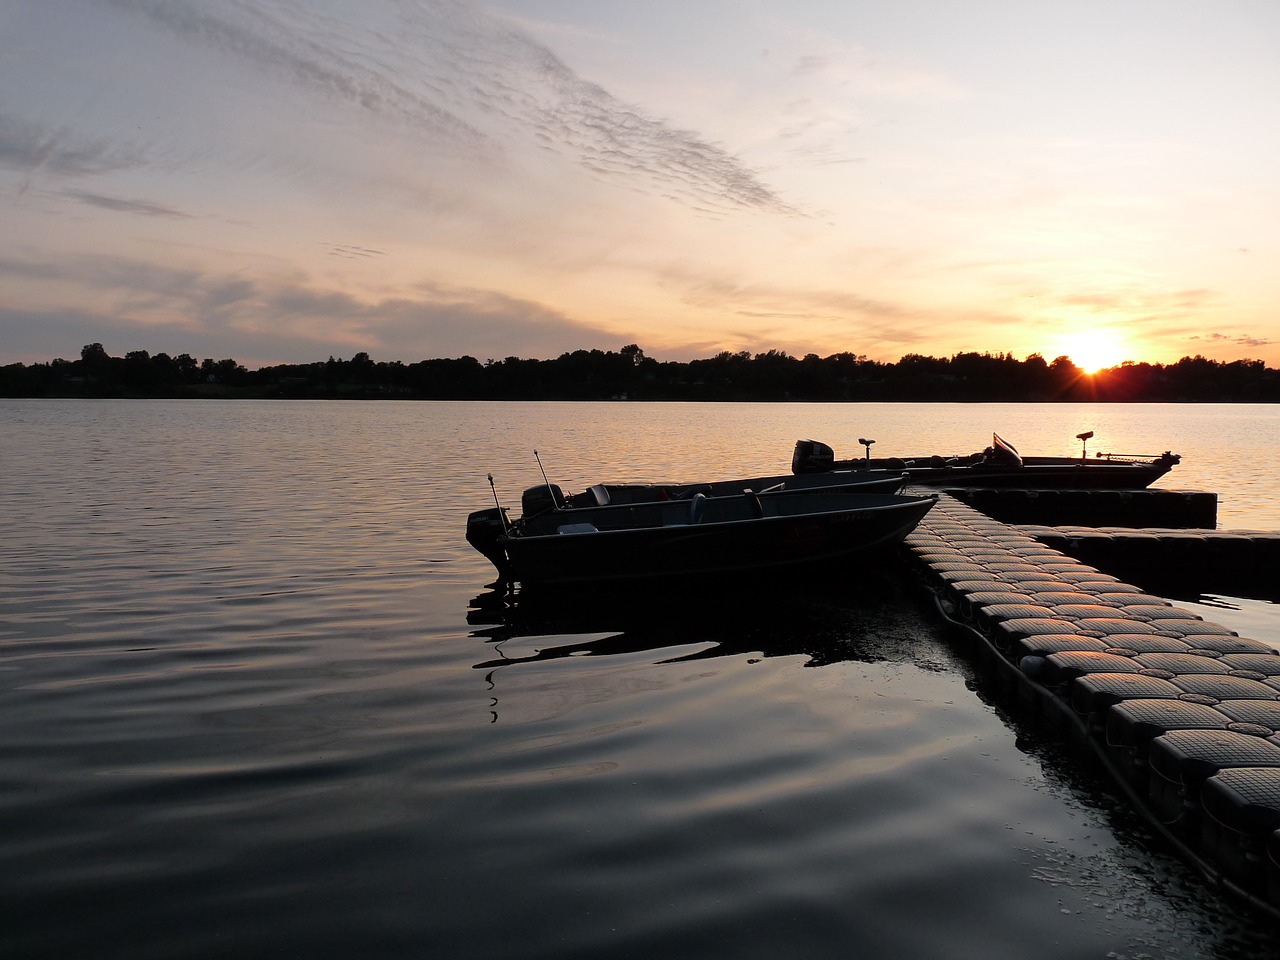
{"type": "Point", "coordinates": [502, 514]}
{"type": "Point", "coordinates": [555, 500]}
{"type": "Point", "coordinates": [1084, 443]}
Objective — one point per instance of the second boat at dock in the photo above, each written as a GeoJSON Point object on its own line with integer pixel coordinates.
{"type": "Point", "coordinates": [999, 465]}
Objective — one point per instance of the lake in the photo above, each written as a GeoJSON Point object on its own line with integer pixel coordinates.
{"type": "Point", "coordinates": [253, 703]}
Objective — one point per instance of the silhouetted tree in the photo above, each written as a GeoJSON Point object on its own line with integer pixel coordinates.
{"type": "Point", "coordinates": [94, 360]}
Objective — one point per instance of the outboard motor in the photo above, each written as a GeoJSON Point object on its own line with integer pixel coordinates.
{"type": "Point", "coordinates": [543, 498]}
{"type": "Point", "coordinates": [812, 456]}
{"type": "Point", "coordinates": [484, 527]}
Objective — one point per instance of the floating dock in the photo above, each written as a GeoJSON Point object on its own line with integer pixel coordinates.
{"type": "Point", "coordinates": [1094, 508]}
{"type": "Point", "coordinates": [1184, 713]}
{"type": "Point", "coordinates": [1231, 562]}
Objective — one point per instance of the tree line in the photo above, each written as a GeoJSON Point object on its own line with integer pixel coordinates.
{"type": "Point", "coordinates": [629, 374]}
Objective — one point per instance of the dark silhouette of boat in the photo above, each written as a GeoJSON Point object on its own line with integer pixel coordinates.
{"type": "Point", "coordinates": [697, 540]}
{"type": "Point", "coordinates": [999, 465]}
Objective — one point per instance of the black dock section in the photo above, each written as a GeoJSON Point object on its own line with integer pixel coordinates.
{"type": "Point", "coordinates": [1184, 713]}
{"type": "Point", "coordinates": [1095, 508]}
{"type": "Point", "coordinates": [1231, 562]}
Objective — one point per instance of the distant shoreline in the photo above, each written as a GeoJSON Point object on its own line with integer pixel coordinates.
{"type": "Point", "coordinates": [232, 394]}
{"type": "Point", "coordinates": [629, 375]}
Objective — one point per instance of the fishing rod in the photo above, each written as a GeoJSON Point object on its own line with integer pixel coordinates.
{"type": "Point", "coordinates": [555, 501]}
{"type": "Point", "coordinates": [502, 514]}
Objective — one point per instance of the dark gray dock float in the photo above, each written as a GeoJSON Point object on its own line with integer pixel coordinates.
{"type": "Point", "coordinates": [1184, 713]}
{"type": "Point", "coordinates": [1151, 507]}
{"type": "Point", "coordinates": [1198, 561]}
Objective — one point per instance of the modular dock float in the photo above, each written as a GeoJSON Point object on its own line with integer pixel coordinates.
{"type": "Point", "coordinates": [1233, 562]}
{"type": "Point", "coordinates": [1184, 713]}
{"type": "Point", "coordinates": [1094, 508]}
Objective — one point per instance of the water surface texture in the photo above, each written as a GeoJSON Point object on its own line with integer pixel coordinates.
{"type": "Point", "coordinates": [248, 706]}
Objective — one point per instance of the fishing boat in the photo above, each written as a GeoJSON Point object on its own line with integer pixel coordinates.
{"type": "Point", "coordinates": [603, 494]}
{"type": "Point", "coordinates": [695, 540]}
{"type": "Point", "coordinates": [999, 465]}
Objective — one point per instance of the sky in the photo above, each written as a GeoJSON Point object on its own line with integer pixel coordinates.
{"type": "Point", "coordinates": [281, 181]}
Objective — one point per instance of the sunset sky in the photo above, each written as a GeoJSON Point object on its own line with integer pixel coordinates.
{"type": "Point", "coordinates": [280, 181]}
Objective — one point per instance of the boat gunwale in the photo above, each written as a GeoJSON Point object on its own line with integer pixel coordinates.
{"type": "Point", "coordinates": [898, 503]}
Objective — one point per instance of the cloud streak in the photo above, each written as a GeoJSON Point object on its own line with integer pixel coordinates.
{"type": "Point", "coordinates": [304, 51]}
{"type": "Point", "coordinates": [142, 303]}
{"type": "Point", "coordinates": [141, 208]}
{"type": "Point", "coordinates": [1242, 340]}
{"type": "Point", "coordinates": [470, 83]}
{"type": "Point", "coordinates": [31, 147]}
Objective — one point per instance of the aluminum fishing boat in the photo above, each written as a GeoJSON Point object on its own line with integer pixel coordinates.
{"type": "Point", "coordinates": [695, 540]}
{"type": "Point", "coordinates": [999, 465]}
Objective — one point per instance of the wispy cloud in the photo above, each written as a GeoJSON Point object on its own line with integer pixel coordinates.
{"type": "Point", "coordinates": [30, 147]}
{"type": "Point", "coordinates": [304, 49]}
{"type": "Point", "coordinates": [141, 208]}
{"type": "Point", "coordinates": [347, 251]}
{"type": "Point", "coordinates": [471, 82]}
{"type": "Point", "coordinates": [1238, 339]}
{"type": "Point", "coordinates": [143, 303]}
{"type": "Point", "coordinates": [799, 318]}
{"type": "Point", "coordinates": [866, 73]}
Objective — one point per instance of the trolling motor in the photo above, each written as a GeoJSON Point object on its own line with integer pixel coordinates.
{"type": "Point", "coordinates": [867, 444]}
{"type": "Point", "coordinates": [1084, 443]}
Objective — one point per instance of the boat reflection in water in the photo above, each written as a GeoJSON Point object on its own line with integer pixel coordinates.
{"type": "Point", "coordinates": [826, 618]}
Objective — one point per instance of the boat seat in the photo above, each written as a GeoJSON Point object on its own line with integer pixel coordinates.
{"type": "Point", "coordinates": [600, 494]}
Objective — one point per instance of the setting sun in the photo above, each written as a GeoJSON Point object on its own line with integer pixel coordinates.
{"type": "Point", "coordinates": [1096, 349]}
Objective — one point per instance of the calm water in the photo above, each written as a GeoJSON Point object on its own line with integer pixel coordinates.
{"type": "Point", "coordinates": [247, 710]}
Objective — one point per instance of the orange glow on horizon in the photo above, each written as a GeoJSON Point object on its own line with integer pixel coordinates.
{"type": "Point", "coordinates": [1095, 349]}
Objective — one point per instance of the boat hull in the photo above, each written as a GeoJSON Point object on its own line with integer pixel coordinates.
{"type": "Point", "coordinates": [1104, 472]}
{"type": "Point", "coordinates": [1070, 475]}
{"type": "Point", "coordinates": [721, 544]}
